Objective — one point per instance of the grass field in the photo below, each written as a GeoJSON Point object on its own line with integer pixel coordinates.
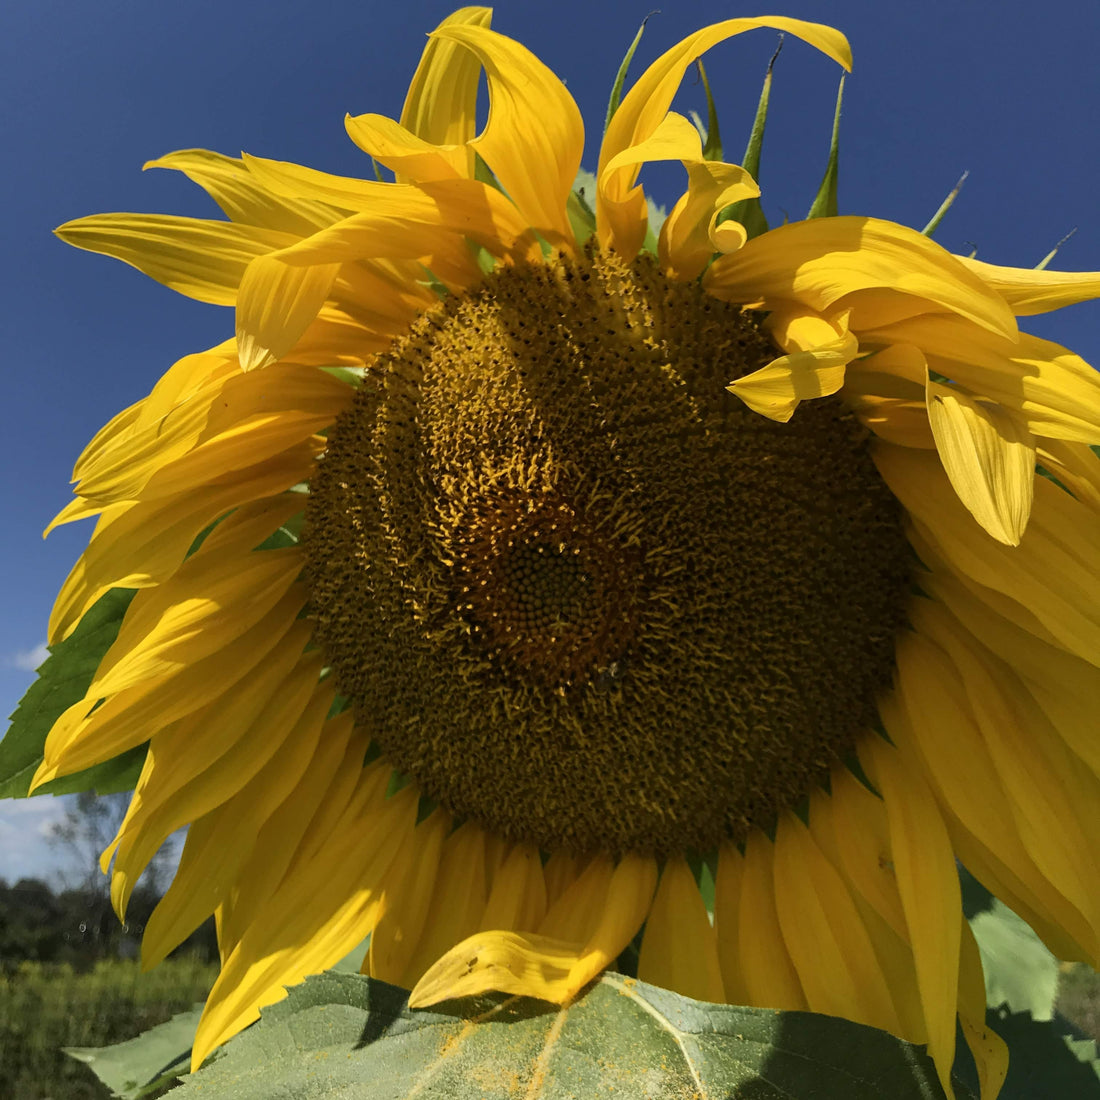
{"type": "Point", "coordinates": [45, 1006]}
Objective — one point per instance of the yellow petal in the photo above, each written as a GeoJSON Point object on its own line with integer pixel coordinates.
{"type": "Point", "coordinates": [1075, 465]}
{"type": "Point", "coordinates": [814, 370]}
{"type": "Point", "coordinates": [222, 749]}
{"type": "Point", "coordinates": [200, 259]}
{"type": "Point", "coordinates": [679, 948]}
{"type": "Point", "coordinates": [534, 138]}
{"type": "Point", "coordinates": [442, 98]}
{"type": "Point", "coordinates": [1029, 290]}
{"type": "Point", "coordinates": [931, 721]}
{"type": "Point", "coordinates": [691, 234]}
{"type": "Point", "coordinates": [229, 183]}
{"type": "Point", "coordinates": [139, 544]}
{"type": "Point", "coordinates": [458, 900]}
{"type": "Point", "coordinates": [517, 899]}
{"type": "Point", "coordinates": [288, 940]}
{"type": "Point", "coordinates": [83, 736]}
{"type": "Point", "coordinates": [536, 965]}
{"type": "Point", "coordinates": [827, 941]}
{"type": "Point", "coordinates": [989, 1049]}
{"type": "Point", "coordinates": [411, 158]}
{"type": "Point", "coordinates": [275, 305]}
{"type": "Point", "coordinates": [1056, 391]}
{"type": "Point", "coordinates": [298, 826]}
{"type": "Point", "coordinates": [768, 974]}
{"type": "Point", "coordinates": [988, 457]}
{"type": "Point", "coordinates": [213, 598]}
{"type": "Point", "coordinates": [1064, 686]}
{"type": "Point", "coordinates": [407, 899]}
{"type": "Point", "coordinates": [929, 886]}
{"type": "Point", "coordinates": [1027, 754]}
{"type": "Point", "coordinates": [208, 866]}
{"type": "Point", "coordinates": [727, 912]}
{"type": "Point", "coordinates": [818, 262]}
{"type": "Point", "coordinates": [1052, 573]}
{"type": "Point", "coordinates": [439, 116]}
{"type": "Point", "coordinates": [620, 206]}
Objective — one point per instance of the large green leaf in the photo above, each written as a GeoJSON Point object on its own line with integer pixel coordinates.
{"type": "Point", "coordinates": [62, 681]}
{"type": "Point", "coordinates": [343, 1035]}
{"type": "Point", "coordinates": [140, 1066]}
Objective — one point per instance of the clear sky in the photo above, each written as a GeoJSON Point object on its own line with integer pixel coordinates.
{"type": "Point", "coordinates": [1008, 90]}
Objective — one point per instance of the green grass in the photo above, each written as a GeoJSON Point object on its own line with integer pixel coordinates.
{"type": "Point", "coordinates": [46, 1006]}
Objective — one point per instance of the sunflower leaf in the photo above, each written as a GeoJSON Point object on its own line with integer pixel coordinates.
{"type": "Point", "coordinates": [347, 1035]}
{"type": "Point", "coordinates": [141, 1066]}
{"type": "Point", "coordinates": [62, 681]}
{"type": "Point", "coordinates": [620, 76]}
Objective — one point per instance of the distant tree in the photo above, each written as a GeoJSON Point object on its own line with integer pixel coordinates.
{"type": "Point", "coordinates": [90, 824]}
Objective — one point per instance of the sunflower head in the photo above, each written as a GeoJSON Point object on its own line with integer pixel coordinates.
{"type": "Point", "coordinates": [505, 583]}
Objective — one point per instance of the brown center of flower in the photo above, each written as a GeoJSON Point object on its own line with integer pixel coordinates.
{"type": "Point", "coordinates": [578, 591]}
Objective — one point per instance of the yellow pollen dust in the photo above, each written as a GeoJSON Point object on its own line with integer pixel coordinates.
{"type": "Point", "coordinates": [580, 593]}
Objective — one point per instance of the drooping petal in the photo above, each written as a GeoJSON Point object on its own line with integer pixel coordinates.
{"type": "Point", "coordinates": [458, 900]}
{"type": "Point", "coordinates": [814, 369]}
{"type": "Point", "coordinates": [828, 943]}
{"type": "Point", "coordinates": [620, 206]}
{"type": "Point", "coordinates": [1056, 391]}
{"type": "Point", "coordinates": [931, 721]}
{"type": "Point", "coordinates": [679, 948]}
{"type": "Point", "coordinates": [767, 970]}
{"type": "Point", "coordinates": [209, 867]}
{"type": "Point", "coordinates": [222, 749]}
{"type": "Point", "coordinates": [1052, 573]}
{"type": "Point", "coordinates": [819, 262]}
{"type": "Point", "coordinates": [538, 965]}
{"type": "Point", "coordinates": [929, 886]}
{"type": "Point", "coordinates": [534, 138]}
{"type": "Point", "coordinates": [230, 184]}
{"type": "Point", "coordinates": [288, 940]}
{"type": "Point", "coordinates": [275, 304]}
{"type": "Point", "coordinates": [517, 897]}
{"type": "Point", "coordinates": [199, 259]}
{"type": "Point", "coordinates": [407, 899]}
{"type": "Point", "coordinates": [727, 914]}
{"type": "Point", "coordinates": [1029, 290]}
{"type": "Point", "coordinates": [988, 457]}
{"type": "Point", "coordinates": [989, 1050]}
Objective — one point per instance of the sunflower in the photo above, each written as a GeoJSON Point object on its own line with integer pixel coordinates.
{"type": "Point", "coordinates": [508, 583]}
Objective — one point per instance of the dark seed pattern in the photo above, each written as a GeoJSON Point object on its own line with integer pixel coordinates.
{"type": "Point", "coordinates": [577, 590]}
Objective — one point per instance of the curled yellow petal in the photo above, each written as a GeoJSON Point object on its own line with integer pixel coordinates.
{"type": "Point", "coordinates": [535, 965]}
{"type": "Point", "coordinates": [814, 369]}
{"type": "Point", "coordinates": [818, 262]}
{"type": "Point", "coordinates": [620, 206]}
{"type": "Point", "coordinates": [534, 137]}
{"type": "Point", "coordinates": [989, 458]}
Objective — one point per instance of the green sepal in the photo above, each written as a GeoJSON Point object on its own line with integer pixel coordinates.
{"type": "Point", "coordinates": [749, 212]}
{"type": "Point", "coordinates": [340, 1035]}
{"type": "Point", "coordinates": [63, 679]}
{"type": "Point", "coordinates": [1041, 265]}
{"type": "Point", "coordinates": [712, 143]}
{"type": "Point", "coordinates": [946, 205]}
{"type": "Point", "coordinates": [620, 77]}
{"type": "Point", "coordinates": [582, 217]}
{"type": "Point", "coordinates": [825, 205]}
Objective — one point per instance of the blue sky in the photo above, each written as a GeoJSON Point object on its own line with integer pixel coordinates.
{"type": "Point", "coordinates": [1007, 90]}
